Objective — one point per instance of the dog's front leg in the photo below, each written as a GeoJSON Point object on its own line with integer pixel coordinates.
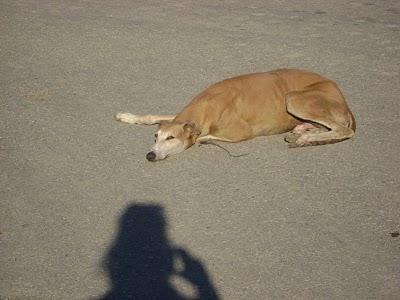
{"type": "Point", "coordinates": [205, 139]}
{"type": "Point", "coordinates": [144, 119]}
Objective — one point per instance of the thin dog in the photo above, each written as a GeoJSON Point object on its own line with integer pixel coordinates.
{"type": "Point", "coordinates": [309, 106]}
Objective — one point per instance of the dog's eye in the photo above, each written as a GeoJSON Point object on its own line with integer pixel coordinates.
{"type": "Point", "coordinates": [170, 137]}
{"type": "Point", "coordinates": [156, 135]}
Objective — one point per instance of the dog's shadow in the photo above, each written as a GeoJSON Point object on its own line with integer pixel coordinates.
{"type": "Point", "coordinates": [141, 261]}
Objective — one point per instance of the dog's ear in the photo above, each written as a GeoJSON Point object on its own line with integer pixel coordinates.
{"type": "Point", "coordinates": [192, 128]}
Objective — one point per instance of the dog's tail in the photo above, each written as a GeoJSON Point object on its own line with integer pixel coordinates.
{"type": "Point", "coordinates": [219, 146]}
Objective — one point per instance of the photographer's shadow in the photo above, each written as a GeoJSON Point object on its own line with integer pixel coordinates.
{"type": "Point", "coordinates": [141, 261]}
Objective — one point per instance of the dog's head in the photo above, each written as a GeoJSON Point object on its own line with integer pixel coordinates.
{"type": "Point", "coordinates": [172, 138]}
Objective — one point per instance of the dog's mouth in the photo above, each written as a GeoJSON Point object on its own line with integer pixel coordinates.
{"type": "Point", "coordinates": [152, 156]}
{"type": "Point", "coordinates": [163, 149]}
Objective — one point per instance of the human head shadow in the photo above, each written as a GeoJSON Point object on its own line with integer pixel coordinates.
{"type": "Point", "coordinates": [141, 260]}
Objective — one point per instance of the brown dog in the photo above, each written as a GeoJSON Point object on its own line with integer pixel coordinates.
{"type": "Point", "coordinates": [237, 109]}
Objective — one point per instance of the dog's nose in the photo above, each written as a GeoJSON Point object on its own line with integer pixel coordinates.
{"type": "Point", "coordinates": [151, 156]}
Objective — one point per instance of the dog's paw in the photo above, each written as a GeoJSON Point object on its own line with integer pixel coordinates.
{"type": "Point", "coordinates": [301, 141]}
{"type": "Point", "coordinates": [291, 137]}
{"type": "Point", "coordinates": [295, 140]}
{"type": "Point", "coordinates": [127, 118]}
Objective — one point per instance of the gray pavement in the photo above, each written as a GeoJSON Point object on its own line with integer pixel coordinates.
{"type": "Point", "coordinates": [84, 215]}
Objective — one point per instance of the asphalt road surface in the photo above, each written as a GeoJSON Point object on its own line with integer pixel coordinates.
{"type": "Point", "coordinates": [85, 216]}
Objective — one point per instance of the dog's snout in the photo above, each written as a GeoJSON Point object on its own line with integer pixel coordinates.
{"type": "Point", "coordinates": [151, 156]}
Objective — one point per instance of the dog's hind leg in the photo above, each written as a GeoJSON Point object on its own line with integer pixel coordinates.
{"type": "Point", "coordinates": [301, 129]}
{"type": "Point", "coordinates": [322, 104]}
{"type": "Point", "coordinates": [144, 119]}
